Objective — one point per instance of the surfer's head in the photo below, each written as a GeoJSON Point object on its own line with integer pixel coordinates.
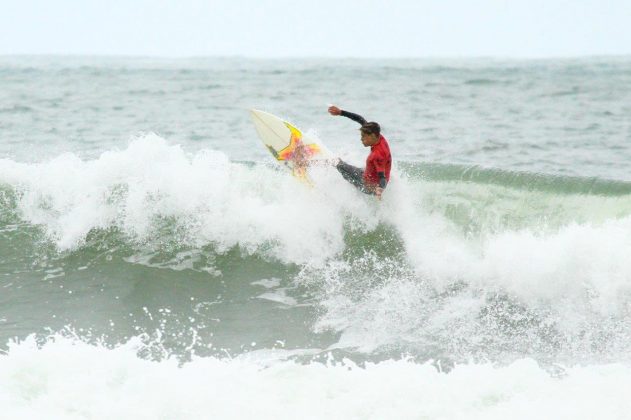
{"type": "Point", "coordinates": [370, 132]}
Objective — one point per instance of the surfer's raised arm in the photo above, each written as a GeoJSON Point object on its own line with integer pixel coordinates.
{"type": "Point", "coordinates": [333, 110]}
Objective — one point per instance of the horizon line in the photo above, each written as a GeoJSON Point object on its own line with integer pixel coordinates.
{"type": "Point", "coordinates": [314, 57]}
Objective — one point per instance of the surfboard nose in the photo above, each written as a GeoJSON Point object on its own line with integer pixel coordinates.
{"type": "Point", "coordinates": [258, 115]}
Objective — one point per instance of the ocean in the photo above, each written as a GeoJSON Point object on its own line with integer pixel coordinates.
{"type": "Point", "coordinates": [155, 262]}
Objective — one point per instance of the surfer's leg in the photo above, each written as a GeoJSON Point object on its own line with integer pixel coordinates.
{"type": "Point", "coordinates": [352, 174]}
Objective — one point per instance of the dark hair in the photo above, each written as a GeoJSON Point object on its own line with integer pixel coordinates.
{"type": "Point", "coordinates": [371, 128]}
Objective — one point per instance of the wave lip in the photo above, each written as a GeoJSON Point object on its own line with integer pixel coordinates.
{"type": "Point", "coordinates": [558, 184]}
{"type": "Point", "coordinates": [204, 197]}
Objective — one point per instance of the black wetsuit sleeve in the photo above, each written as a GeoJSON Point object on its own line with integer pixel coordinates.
{"type": "Point", "coordinates": [382, 180]}
{"type": "Point", "coordinates": [355, 117]}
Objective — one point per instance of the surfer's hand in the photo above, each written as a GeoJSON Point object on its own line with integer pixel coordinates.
{"type": "Point", "coordinates": [378, 192]}
{"type": "Point", "coordinates": [333, 110]}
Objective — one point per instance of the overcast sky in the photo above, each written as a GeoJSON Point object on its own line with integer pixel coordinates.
{"type": "Point", "coordinates": [320, 28]}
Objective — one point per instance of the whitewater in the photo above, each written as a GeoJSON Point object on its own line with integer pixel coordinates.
{"type": "Point", "coordinates": [151, 250]}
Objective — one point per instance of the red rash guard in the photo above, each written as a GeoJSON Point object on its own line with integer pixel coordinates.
{"type": "Point", "coordinates": [379, 160]}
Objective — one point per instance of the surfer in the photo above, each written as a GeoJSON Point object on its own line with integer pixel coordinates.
{"type": "Point", "coordinates": [374, 178]}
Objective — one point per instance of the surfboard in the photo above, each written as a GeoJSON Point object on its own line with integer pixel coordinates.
{"type": "Point", "coordinates": [287, 144]}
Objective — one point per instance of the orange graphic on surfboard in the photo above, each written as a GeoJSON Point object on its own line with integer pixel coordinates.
{"type": "Point", "coordinates": [297, 152]}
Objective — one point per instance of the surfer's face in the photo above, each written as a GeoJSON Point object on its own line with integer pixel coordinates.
{"type": "Point", "coordinates": [369, 139]}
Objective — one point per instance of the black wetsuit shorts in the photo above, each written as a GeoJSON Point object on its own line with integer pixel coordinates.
{"type": "Point", "coordinates": [355, 176]}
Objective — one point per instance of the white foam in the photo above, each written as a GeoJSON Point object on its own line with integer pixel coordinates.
{"type": "Point", "coordinates": [572, 260]}
{"type": "Point", "coordinates": [267, 283]}
{"type": "Point", "coordinates": [68, 379]}
{"type": "Point", "coordinates": [211, 199]}
{"type": "Point", "coordinates": [278, 296]}
{"type": "Point", "coordinates": [574, 279]}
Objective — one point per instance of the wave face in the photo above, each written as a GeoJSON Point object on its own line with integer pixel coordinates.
{"type": "Point", "coordinates": [457, 262]}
